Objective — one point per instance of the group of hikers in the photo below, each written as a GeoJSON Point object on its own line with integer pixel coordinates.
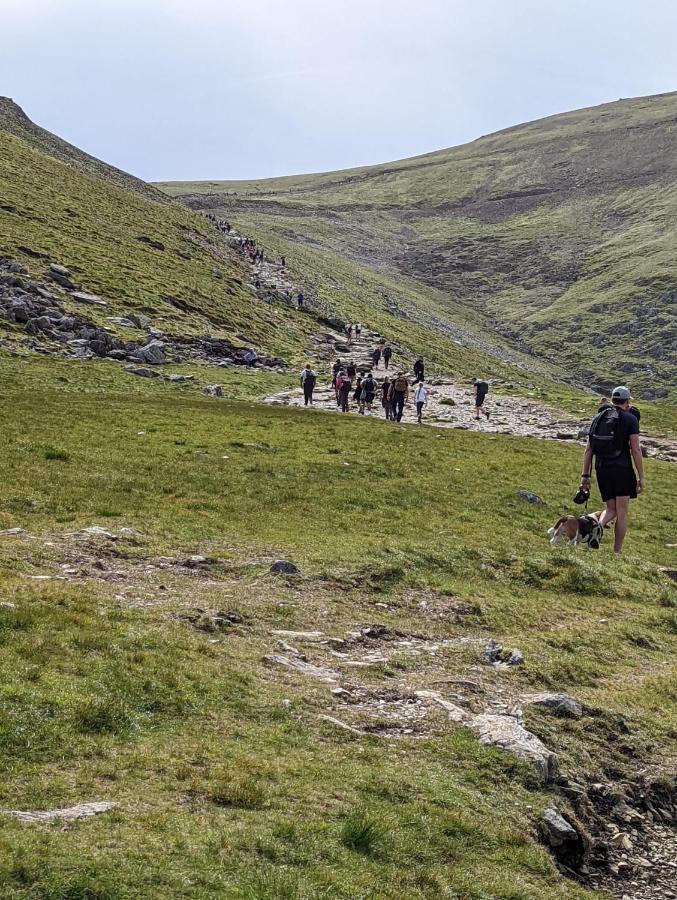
{"type": "Point", "coordinates": [221, 224]}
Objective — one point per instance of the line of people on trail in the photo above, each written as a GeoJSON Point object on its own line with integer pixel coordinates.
{"type": "Point", "coordinates": [221, 224]}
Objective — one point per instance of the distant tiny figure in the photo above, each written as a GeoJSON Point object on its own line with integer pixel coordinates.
{"type": "Point", "coordinates": [284, 262]}
{"type": "Point", "coordinates": [420, 397]}
{"type": "Point", "coordinates": [349, 333]}
{"type": "Point", "coordinates": [335, 369]}
{"type": "Point", "coordinates": [357, 395]}
{"type": "Point", "coordinates": [358, 329]}
{"type": "Point", "coordinates": [251, 357]}
{"type": "Point", "coordinates": [481, 390]}
{"type": "Point", "coordinates": [368, 392]}
{"type": "Point", "coordinates": [387, 353]}
{"type": "Point", "coordinates": [308, 381]}
{"type": "Point", "coordinates": [257, 284]}
{"type": "Point", "coordinates": [300, 299]}
{"type": "Point", "coordinates": [419, 370]}
{"type": "Point", "coordinates": [376, 357]}
{"type": "Point", "coordinates": [399, 394]}
{"type": "Point", "coordinates": [351, 370]}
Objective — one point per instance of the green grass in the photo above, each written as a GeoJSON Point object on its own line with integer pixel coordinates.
{"type": "Point", "coordinates": [227, 783]}
{"type": "Point", "coordinates": [555, 234]}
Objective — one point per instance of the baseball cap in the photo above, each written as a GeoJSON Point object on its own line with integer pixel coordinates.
{"type": "Point", "coordinates": [620, 393]}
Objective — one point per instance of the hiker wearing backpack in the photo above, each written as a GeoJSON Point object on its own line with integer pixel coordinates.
{"type": "Point", "coordinates": [420, 397]}
{"type": "Point", "coordinates": [399, 394]}
{"type": "Point", "coordinates": [419, 370]}
{"type": "Point", "coordinates": [343, 392]}
{"type": "Point", "coordinates": [481, 389]}
{"type": "Point", "coordinates": [614, 444]}
{"type": "Point", "coordinates": [368, 392]}
{"type": "Point", "coordinates": [308, 381]}
{"type": "Point", "coordinates": [387, 353]}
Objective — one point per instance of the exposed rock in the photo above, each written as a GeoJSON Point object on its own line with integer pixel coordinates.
{"type": "Point", "coordinates": [564, 840]}
{"type": "Point", "coordinates": [180, 379]}
{"type": "Point", "coordinates": [534, 499]}
{"type": "Point", "coordinates": [213, 390]}
{"type": "Point", "coordinates": [88, 299]}
{"type": "Point", "coordinates": [152, 354]}
{"type": "Point", "coordinates": [141, 372]}
{"type": "Point", "coordinates": [516, 658]}
{"type": "Point", "coordinates": [284, 567]}
{"type": "Point", "coordinates": [54, 269]}
{"type": "Point", "coordinates": [303, 636]}
{"type": "Point", "coordinates": [304, 667]}
{"type": "Point", "coordinates": [560, 704]}
{"type": "Point", "coordinates": [156, 245]}
{"type": "Point", "coordinates": [456, 714]}
{"type": "Point", "coordinates": [339, 724]}
{"type": "Point", "coordinates": [507, 733]}
{"type": "Point", "coordinates": [496, 656]}
{"type": "Point", "coordinates": [12, 532]}
{"type": "Point", "coordinates": [81, 811]}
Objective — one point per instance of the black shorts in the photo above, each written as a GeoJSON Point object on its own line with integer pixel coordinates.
{"type": "Point", "coordinates": [479, 400]}
{"type": "Point", "coordinates": [616, 481]}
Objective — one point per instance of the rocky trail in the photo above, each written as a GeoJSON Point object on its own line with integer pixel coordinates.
{"type": "Point", "coordinates": [451, 405]}
{"type": "Point", "coordinates": [415, 667]}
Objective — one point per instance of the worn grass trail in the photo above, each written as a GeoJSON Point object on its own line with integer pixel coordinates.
{"type": "Point", "coordinates": [227, 782]}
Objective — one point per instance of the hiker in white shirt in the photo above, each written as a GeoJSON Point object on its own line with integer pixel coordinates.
{"type": "Point", "coordinates": [420, 396]}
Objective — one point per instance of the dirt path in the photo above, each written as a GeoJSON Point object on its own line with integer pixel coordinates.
{"type": "Point", "coordinates": [451, 405]}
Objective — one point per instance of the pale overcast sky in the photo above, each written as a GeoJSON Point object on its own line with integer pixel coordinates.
{"type": "Point", "coordinates": [197, 89]}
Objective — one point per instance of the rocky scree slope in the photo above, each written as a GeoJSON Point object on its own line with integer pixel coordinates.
{"type": "Point", "coordinates": [559, 231]}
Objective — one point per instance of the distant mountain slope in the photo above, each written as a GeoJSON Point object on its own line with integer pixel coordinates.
{"type": "Point", "coordinates": [14, 120]}
{"type": "Point", "coordinates": [158, 259]}
{"type": "Point", "coordinates": [561, 231]}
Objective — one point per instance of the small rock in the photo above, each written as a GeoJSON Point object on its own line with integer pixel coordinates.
{"type": "Point", "coordinates": [81, 811]}
{"type": "Point", "coordinates": [560, 704]}
{"type": "Point", "coordinates": [557, 828]}
{"type": "Point", "coordinates": [88, 299]}
{"type": "Point", "coordinates": [534, 499]}
{"type": "Point", "coordinates": [12, 532]}
{"type": "Point", "coordinates": [59, 270]}
{"type": "Point", "coordinates": [141, 372]}
{"type": "Point", "coordinates": [284, 567]}
{"type": "Point", "coordinates": [213, 390]}
{"type": "Point", "coordinates": [152, 353]}
{"type": "Point", "coordinates": [516, 658]}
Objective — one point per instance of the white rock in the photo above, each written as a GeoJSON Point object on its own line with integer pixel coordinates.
{"type": "Point", "coordinates": [81, 811]}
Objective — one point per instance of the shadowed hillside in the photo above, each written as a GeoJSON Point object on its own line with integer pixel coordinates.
{"type": "Point", "coordinates": [560, 231]}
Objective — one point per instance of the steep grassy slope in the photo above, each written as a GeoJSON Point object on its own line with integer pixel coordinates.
{"type": "Point", "coordinates": [50, 211]}
{"type": "Point", "coordinates": [560, 231]}
{"type": "Point", "coordinates": [228, 783]}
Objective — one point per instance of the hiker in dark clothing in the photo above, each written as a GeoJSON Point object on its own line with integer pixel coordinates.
{"type": "Point", "coordinates": [345, 385]}
{"type": "Point", "coordinates": [376, 357]}
{"type": "Point", "coordinates": [351, 370]}
{"type": "Point", "coordinates": [284, 262]}
{"type": "Point", "coordinates": [357, 396]}
{"type": "Point", "coordinates": [368, 392]}
{"type": "Point", "coordinates": [358, 329]}
{"type": "Point", "coordinates": [387, 353]}
{"type": "Point", "coordinates": [614, 444]}
{"type": "Point", "coordinates": [308, 381]}
{"type": "Point", "coordinates": [385, 400]}
{"type": "Point", "coordinates": [349, 333]}
{"type": "Point", "coordinates": [419, 370]}
{"type": "Point", "coordinates": [398, 395]}
{"type": "Point", "coordinates": [300, 299]}
{"type": "Point", "coordinates": [481, 389]}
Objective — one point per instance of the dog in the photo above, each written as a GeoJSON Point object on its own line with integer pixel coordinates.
{"type": "Point", "coordinates": [578, 530]}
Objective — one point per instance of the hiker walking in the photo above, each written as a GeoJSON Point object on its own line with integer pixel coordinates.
{"type": "Point", "coordinates": [357, 396]}
{"type": "Point", "coordinates": [614, 444]}
{"type": "Point", "coordinates": [368, 393]}
{"type": "Point", "coordinates": [300, 299]}
{"type": "Point", "coordinates": [351, 370]}
{"type": "Point", "coordinates": [480, 390]}
{"type": "Point", "coordinates": [385, 399]}
{"type": "Point", "coordinates": [387, 353]}
{"type": "Point", "coordinates": [251, 357]}
{"type": "Point", "coordinates": [308, 381]}
{"type": "Point", "coordinates": [419, 370]}
{"type": "Point", "coordinates": [399, 394]}
{"type": "Point", "coordinates": [283, 261]}
{"type": "Point", "coordinates": [376, 357]}
{"type": "Point", "coordinates": [343, 393]}
{"type": "Point", "coordinates": [358, 329]}
{"type": "Point", "coordinates": [349, 333]}
{"type": "Point", "coordinates": [420, 397]}
{"type": "Point", "coordinates": [335, 369]}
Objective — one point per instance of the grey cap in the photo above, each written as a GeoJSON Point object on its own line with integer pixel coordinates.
{"type": "Point", "coordinates": [620, 393]}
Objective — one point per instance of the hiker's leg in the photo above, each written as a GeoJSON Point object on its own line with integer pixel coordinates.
{"type": "Point", "coordinates": [608, 514]}
{"type": "Point", "coordinates": [622, 506]}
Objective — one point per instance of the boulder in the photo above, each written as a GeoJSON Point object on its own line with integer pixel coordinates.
{"type": "Point", "coordinates": [213, 390]}
{"type": "Point", "coordinates": [284, 567]}
{"type": "Point", "coordinates": [559, 704]}
{"type": "Point", "coordinates": [54, 269]}
{"type": "Point", "coordinates": [563, 839]}
{"type": "Point", "coordinates": [179, 379]}
{"type": "Point", "coordinates": [508, 734]}
{"type": "Point", "coordinates": [152, 353]}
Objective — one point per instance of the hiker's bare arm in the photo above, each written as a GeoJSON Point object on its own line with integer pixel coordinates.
{"type": "Point", "coordinates": [636, 452]}
{"type": "Point", "coordinates": [587, 466]}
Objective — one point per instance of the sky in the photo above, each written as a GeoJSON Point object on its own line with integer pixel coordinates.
{"type": "Point", "coordinates": [230, 89]}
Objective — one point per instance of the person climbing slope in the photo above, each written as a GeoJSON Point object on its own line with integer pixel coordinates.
{"type": "Point", "coordinates": [376, 357]}
{"type": "Point", "coordinates": [399, 395]}
{"type": "Point", "coordinates": [419, 370]}
{"type": "Point", "coordinates": [481, 389]}
{"type": "Point", "coordinates": [385, 399]}
{"type": "Point", "coordinates": [387, 353]}
{"type": "Point", "coordinates": [308, 381]}
{"type": "Point", "coordinates": [368, 392]}
{"type": "Point", "coordinates": [420, 396]}
{"type": "Point", "coordinates": [345, 386]}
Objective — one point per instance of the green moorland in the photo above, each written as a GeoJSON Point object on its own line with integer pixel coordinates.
{"type": "Point", "coordinates": [228, 783]}
{"type": "Point", "coordinates": [557, 232]}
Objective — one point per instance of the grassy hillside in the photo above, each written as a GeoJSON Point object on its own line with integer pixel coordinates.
{"type": "Point", "coordinates": [559, 232]}
{"type": "Point", "coordinates": [227, 781]}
